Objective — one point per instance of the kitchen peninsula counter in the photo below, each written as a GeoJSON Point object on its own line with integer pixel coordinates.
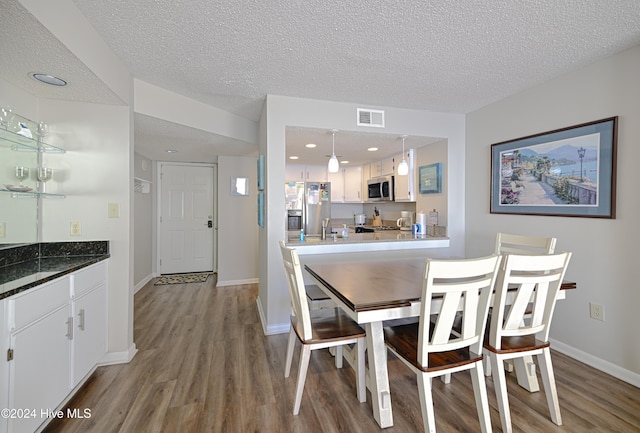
{"type": "Point", "coordinates": [385, 240]}
{"type": "Point", "coordinates": [27, 266]}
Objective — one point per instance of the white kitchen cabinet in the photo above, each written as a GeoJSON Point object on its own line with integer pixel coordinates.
{"type": "Point", "coordinates": [38, 354]}
{"type": "Point", "coordinates": [375, 170]}
{"type": "Point", "coordinates": [89, 297]}
{"type": "Point", "coordinates": [353, 185]}
{"type": "Point", "coordinates": [386, 166]}
{"type": "Point", "coordinates": [56, 335]}
{"type": "Point", "coordinates": [346, 185]}
{"type": "Point", "coordinates": [337, 186]}
{"type": "Point", "coordinates": [383, 167]}
{"type": "Point", "coordinates": [304, 173]}
{"type": "Point", "coordinates": [404, 186]}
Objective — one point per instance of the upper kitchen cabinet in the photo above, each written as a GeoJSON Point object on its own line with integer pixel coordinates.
{"type": "Point", "coordinates": [346, 185]}
{"type": "Point", "coordinates": [337, 186]}
{"type": "Point", "coordinates": [353, 185]}
{"type": "Point", "coordinates": [381, 168]}
{"type": "Point", "coordinates": [306, 173]}
{"type": "Point", "coordinates": [404, 185]}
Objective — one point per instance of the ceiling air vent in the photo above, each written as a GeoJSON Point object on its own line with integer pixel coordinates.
{"type": "Point", "coordinates": [368, 117]}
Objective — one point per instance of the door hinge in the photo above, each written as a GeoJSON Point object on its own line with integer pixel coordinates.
{"type": "Point", "coordinates": [10, 355]}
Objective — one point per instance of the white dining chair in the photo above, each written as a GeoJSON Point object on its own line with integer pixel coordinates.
{"type": "Point", "coordinates": [430, 349]}
{"type": "Point", "coordinates": [532, 281]}
{"type": "Point", "coordinates": [507, 243]}
{"type": "Point", "coordinates": [520, 244]}
{"type": "Point", "coordinates": [325, 329]}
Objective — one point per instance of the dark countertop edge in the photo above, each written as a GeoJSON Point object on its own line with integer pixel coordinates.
{"type": "Point", "coordinates": [89, 261]}
{"type": "Point", "coordinates": [26, 252]}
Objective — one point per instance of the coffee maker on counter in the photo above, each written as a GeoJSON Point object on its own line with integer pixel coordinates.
{"type": "Point", "coordinates": [405, 221]}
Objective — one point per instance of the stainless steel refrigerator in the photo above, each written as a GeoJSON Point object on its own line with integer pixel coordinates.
{"type": "Point", "coordinates": [313, 199]}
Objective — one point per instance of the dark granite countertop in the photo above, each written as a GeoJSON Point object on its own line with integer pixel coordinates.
{"type": "Point", "coordinates": [27, 266]}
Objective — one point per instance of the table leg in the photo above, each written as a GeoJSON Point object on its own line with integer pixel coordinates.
{"type": "Point", "coordinates": [526, 373]}
{"type": "Point", "coordinates": [378, 375]}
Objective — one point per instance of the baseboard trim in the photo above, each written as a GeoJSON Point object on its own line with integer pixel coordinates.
{"type": "Point", "coordinates": [270, 329]}
{"type": "Point", "coordinates": [123, 357]}
{"type": "Point", "coordinates": [597, 363]}
{"type": "Point", "coordinates": [237, 282]}
{"type": "Point", "coordinates": [142, 283]}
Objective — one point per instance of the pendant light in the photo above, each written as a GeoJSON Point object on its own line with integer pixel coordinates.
{"type": "Point", "coordinates": [334, 165]}
{"type": "Point", "coordinates": [403, 167]}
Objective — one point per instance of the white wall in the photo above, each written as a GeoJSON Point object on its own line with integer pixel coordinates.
{"type": "Point", "coordinates": [280, 112]}
{"type": "Point", "coordinates": [143, 224]}
{"type": "Point", "coordinates": [237, 223]}
{"type": "Point", "coordinates": [603, 264]}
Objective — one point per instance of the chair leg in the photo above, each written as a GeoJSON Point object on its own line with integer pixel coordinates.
{"type": "Point", "coordinates": [426, 403]}
{"type": "Point", "coordinates": [305, 355]}
{"type": "Point", "coordinates": [500, 385]}
{"type": "Point", "coordinates": [549, 382]}
{"type": "Point", "coordinates": [486, 363]}
{"type": "Point", "coordinates": [338, 356]}
{"type": "Point", "coordinates": [482, 401]}
{"type": "Point", "coordinates": [446, 378]}
{"type": "Point", "coordinates": [289, 359]}
{"type": "Point", "coordinates": [361, 382]}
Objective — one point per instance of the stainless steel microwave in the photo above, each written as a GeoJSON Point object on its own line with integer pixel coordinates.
{"type": "Point", "coordinates": [380, 189]}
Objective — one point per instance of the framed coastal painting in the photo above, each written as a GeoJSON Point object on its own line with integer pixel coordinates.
{"type": "Point", "coordinates": [566, 172]}
{"type": "Point", "coordinates": [430, 178]}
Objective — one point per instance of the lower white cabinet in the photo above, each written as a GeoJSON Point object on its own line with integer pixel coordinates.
{"type": "Point", "coordinates": [39, 371]}
{"type": "Point", "coordinates": [90, 332]}
{"type": "Point", "coordinates": [57, 334]}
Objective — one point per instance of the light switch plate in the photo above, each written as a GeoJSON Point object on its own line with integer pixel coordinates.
{"type": "Point", "coordinates": [3, 229]}
{"type": "Point", "coordinates": [114, 210]}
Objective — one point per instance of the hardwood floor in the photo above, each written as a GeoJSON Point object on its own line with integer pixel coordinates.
{"type": "Point", "coordinates": [204, 365]}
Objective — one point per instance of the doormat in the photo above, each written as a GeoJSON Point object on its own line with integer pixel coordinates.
{"type": "Point", "coordinates": [181, 279]}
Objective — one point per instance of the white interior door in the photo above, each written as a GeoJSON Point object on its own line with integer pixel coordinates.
{"type": "Point", "coordinates": [186, 218]}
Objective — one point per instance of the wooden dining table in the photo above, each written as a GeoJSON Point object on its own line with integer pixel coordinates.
{"type": "Point", "coordinates": [372, 292]}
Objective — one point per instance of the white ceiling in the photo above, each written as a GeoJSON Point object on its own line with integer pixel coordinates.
{"type": "Point", "coordinates": [449, 55]}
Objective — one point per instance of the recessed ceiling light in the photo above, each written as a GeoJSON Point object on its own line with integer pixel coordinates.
{"type": "Point", "coordinates": [171, 151]}
{"type": "Point", "coordinates": [293, 157]}
{"type": "Point", "coordinates": [344, 162]}
{"type": "Point", "coordinates": [49, 79]}
{"type": "Point", "coordinates": [310, 145]}
{"type": "Point", "coordinates": [372, 149]}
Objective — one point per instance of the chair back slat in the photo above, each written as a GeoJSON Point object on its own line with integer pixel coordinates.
{"type": "Point", "coordinates": [519, 244]}
{"type": "Point", "coordinates": [533, 282]}
{"type": "Point", "coordinates": [297, 294]}
{"type": "Point", "coordinates": [462, 286]}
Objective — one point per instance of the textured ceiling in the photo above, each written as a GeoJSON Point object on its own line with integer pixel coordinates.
{"type": "Point", "coordinates": [28, 47]}
{"type": "Point", "coordinates": [449, 55]}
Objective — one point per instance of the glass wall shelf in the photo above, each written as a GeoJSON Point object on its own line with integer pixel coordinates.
{"type": "Point", "coordinates": [21, 143]}
{"type": "Point", "coordinates": [31, 194]}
